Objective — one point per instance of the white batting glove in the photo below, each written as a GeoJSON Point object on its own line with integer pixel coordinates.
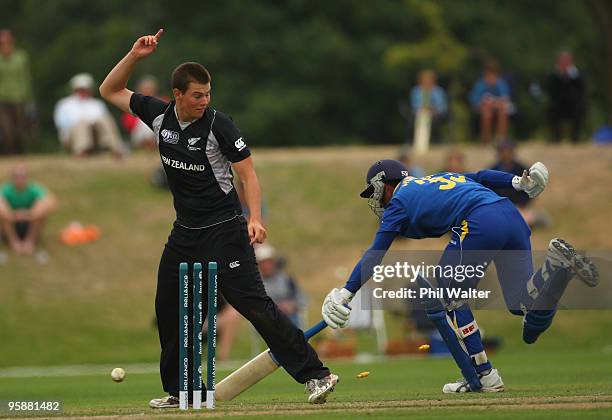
{"type": "Point", "coordinates": [532, 182]}
{"type": "Point", "coordinates": [335, 308]}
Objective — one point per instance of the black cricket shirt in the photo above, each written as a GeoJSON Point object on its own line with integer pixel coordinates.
{"type": "Point", "coordinates": [197, 160]}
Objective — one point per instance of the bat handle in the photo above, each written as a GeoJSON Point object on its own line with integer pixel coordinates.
{"type": "Point", "coordinates": [314, 330]}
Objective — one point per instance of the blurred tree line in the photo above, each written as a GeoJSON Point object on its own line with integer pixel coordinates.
{"type": "Point", "coordinates": [300, 72]}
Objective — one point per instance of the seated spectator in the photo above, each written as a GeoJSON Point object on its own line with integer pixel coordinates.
{"type": "Point", "coordinates": [24, 208]}
{"type": "Point", "coordinates": [278, 284]}
{"type": "Point", "coordinates": [490, 99]}
{"type": "Point", "coordinates": [428, 97]}
{"type": "Point", "coordinates": [141, 136]}
{"type": "Point", "coordinates": [455, 162]}
{"type": "Point", "coordinates": [507, 162]}
{"type": "Point", "coordinates": [84, 122]}
{"type": "Point", "coordinates": [567, 93]}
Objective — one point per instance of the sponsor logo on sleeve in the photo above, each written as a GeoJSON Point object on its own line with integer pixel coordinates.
{"type": "Point", "coordinates": [240, 144]}
{"type": "Point", "coordinates": [169, 136]}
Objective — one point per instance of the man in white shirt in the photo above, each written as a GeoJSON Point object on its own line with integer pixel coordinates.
{"type": "Point", "coordinates": [84, 122]}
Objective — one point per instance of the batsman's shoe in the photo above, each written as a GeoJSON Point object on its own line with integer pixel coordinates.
{"type": "Point", "coordinates": [491, 382]}
{"type": "Point", "coordinates": [562, 254]}
{"type": "Point", "coordinates": [319, 389]}
{"type": "Point", "coordinates": [169, 401]}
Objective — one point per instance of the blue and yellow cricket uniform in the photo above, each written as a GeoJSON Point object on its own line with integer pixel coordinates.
{"type": "Point", "coordinates": [484, 228]}
{"type": "Point", "coordinates": [481, 222]}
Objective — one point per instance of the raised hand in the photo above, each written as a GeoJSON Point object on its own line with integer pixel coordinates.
{"type": "Point", "coordinates": [538, 173]}
{"type": "Point", "coordinates": [533, 181]}
{"type": "Point", "coordinates": [146, 45]}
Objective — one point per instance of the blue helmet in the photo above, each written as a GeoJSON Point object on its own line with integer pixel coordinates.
{"type": "Point", "coordinates": [392, 170]}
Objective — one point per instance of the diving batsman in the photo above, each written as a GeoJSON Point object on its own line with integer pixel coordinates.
{"type": "Point", "coordinates": [484, 228]}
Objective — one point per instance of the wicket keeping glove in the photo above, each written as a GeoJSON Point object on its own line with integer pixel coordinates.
{"type": "Point", "coordinates": [335, 308]}
{"type": "Point", "coordinates": [533, 181]}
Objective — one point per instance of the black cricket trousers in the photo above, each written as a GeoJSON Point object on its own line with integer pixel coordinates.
{"type": "Point", "coordinates": [242, 287]}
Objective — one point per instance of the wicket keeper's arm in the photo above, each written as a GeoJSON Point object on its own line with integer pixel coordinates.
{"type": "Point", "coordinates": [253, 371]}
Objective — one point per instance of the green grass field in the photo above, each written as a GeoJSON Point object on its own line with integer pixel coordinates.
{"type": "Point", "coordinates": [92, 306]}
{"type": "Point", "coordinates": [565, 384]}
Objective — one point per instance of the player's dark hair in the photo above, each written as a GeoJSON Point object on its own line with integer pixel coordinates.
{"type": "Point", "coordinates": [189, 72]}
{"type": "Point", "coordinates": [393, 182]}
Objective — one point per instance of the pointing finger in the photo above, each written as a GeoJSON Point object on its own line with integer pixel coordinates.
{"type": "Point", "coordinates": [159, 34]}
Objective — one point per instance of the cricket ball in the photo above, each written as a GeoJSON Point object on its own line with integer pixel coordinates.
{"type": "Point", "coordinates": [118, 374]}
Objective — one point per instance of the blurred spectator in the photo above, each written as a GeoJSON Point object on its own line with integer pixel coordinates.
{"type": "Point", "coordinates": [24, 207]}
{"type": "Point", "coordinates": [490, 99]}
{"type": "Point", "coordinates": [278, 284]}
{"type": "Point", "coordinates": [507, 162]}
{"type": "Point", "coordinates": [141, 136]}
{"type": "Point", "coordinates": [430, 98]}
{"type": "Point", "coordinates": [406, 159]}
{"type": "Point", "coordinates": [566, 89]}
{"type": "Point", "coordinates": [83, 122]}
{"type": "Point", "coordinates": [603, 135]}
{"type": "Point", "coordinates": [455, 162]}
{"type": "Point", "coordinates": [16, 101]}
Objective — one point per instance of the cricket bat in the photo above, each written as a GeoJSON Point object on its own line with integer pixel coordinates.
{"type": "Point", "coordinates": [253, 371]}
{"type": "Point", "coordinates": [422, 131]}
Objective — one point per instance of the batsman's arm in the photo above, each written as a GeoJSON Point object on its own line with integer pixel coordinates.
{"type": "Point", "coordinates": [372, 257]}
{"type": "Point", "coordinates": [492, 179]}
{"type": "Point", "coordinates": [532, 181]}
{"type": "Point", "coordinates": [335, 309]}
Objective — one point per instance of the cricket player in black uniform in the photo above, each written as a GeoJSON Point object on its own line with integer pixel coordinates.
{"type": "Point", "coordinates": [199, 146]}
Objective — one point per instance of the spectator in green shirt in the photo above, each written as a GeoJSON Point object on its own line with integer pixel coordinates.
{"type": "Point", "coordinates": [16, 99]}
{"type": "Point", "coordinates": [24, 207]}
